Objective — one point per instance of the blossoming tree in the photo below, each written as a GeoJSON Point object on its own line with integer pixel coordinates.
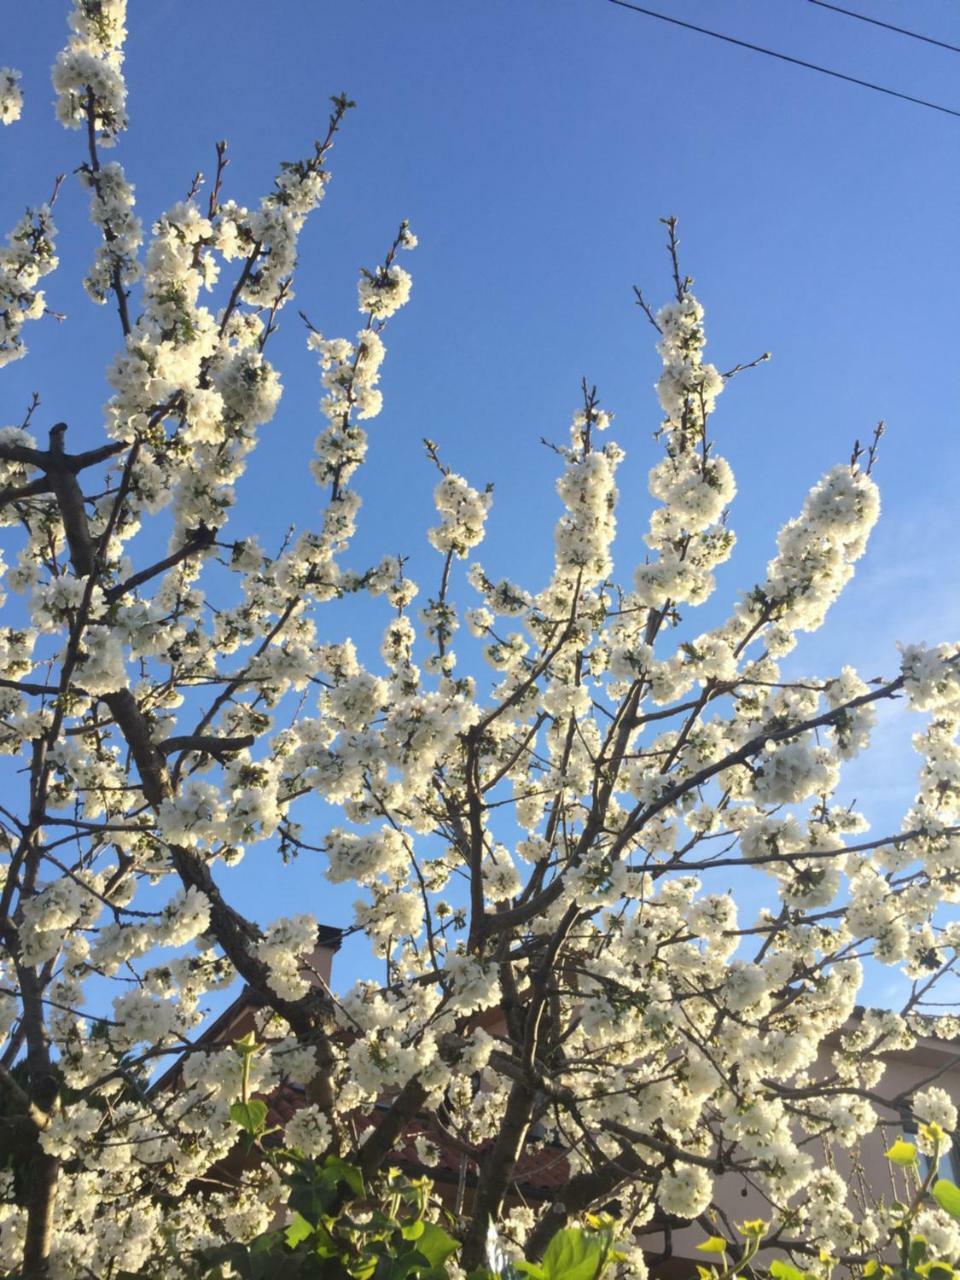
{"type": "Point", "coordinates": [535, 852]}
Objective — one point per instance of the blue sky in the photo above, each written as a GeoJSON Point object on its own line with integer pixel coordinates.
{"type": "Point", "coordinates": [533, 144]}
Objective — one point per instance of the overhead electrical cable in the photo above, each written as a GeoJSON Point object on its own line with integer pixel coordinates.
{"type": "Point", "coordinates": [888, 26]}
{"type": "Point", "coordinates": [786, 57]}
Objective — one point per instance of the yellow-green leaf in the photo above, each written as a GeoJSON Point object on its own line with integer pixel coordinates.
{"type": "Point", "coordinates": [299, 1229]}
{"type": "Point", "coordinates": [781, 1270]}
{"type": "Point", "coordinates": [947, 1196]}
{"type": "Point", "coordinates": [902, 1153]}
{"type": "Point", "coordinates": [713, 1244]}
{"type": "Point", "coordinates": [753, 1227]}
{"type": "Point", "coordinates": [246, 1045]}
{"type": "Point", "coordinates": [934, 1134]}
{"type": "Point", "coordinates": [935, 1270]}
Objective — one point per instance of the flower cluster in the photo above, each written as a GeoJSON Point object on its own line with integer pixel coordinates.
{"type": "Point", "coordinates": [694, 484]}
{"type": "Point", "coordinates": [87, 74]}
{"type": "Point", "coordinates": [11, 95]}
{"type": "Point", "coordinates": [27, 256]}
{"type": "Point", "coordinates": [463, 512]}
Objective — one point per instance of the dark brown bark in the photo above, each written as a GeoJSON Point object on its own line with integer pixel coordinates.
{"type": "Point", "coordinates": [381, 1142]}
{"type": "Point", "coordinates": [496, 1172]}
{"type": "Point", "coordinates": [584, 1191]}
{"type": "Point", "coordinates": [43, 1173]}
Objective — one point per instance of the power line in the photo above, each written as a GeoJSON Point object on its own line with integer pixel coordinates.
{"type": "Point", "coordinates": [786, 57]}
{"type": "Point", "coordinates": [875, 22]}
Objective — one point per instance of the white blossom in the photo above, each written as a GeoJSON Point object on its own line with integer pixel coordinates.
{"type": "Point", "coordinates": [11, 95]}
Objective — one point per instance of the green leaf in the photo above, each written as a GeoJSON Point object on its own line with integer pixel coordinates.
{"type": "Point", "coordinates": [250, 1263]}
{"type": "Point", "coordinates": [572, 1255]}
{"type": "Point", "coordinates": [781, 1270]}
{"type": "Point", "coordinates": [343, 1172]}
{"type": "Point", "coordinates": [251, 1116]}
{"type": "Point", "coordinates": [310, 1196]}
{"type": "Point", "coordinates": [413, 1230]}
{"type": "Point", "coordinates": [298, 1230]}
{"type": "Point", "coordinates": [936, 1270]}
{"type": "Point", "coordinates": [247, 1045]}
{"type": "Point", "coordinates": [532, 1269]}
{"type": "Point", "coordinates": [323, 1244]}
{"type": "Point", "coordinates": [269, 1242]}
{"type": "Point", "coordinates": [753, 1228]}
{"type": "Point", "coordinates": [902, 1153]}
{"type": "Point", "coordinates": [362, 1270]}
{"type": "Point", "coordinates": [947, 1196]}
{"type": "Point", "coordinates": [401, 1265]}
{"type": "Point", "coordinates": [435, 1244]}
{"type": "Point", "coordinates": [713, 1244]}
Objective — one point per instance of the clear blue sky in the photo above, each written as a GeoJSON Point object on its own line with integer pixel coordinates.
{"type": "Point", "coordinates": [533, 144]}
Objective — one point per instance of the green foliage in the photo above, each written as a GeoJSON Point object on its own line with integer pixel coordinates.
{"type": "Point", "coordinates": [781, 1270]}
{"type": "Point", "coordinates": [904, 1255]}
{"type": "Point", "coordinates": [713, 1244]}
{"type": "Point", "coordinates": [342, 1228]}
{"type": "Point", "coordinates": [250, 1116]}
{"type": "Point", "coordinates": [738, 1258]}
{"type": "Point", "coordinates": [915, 1259]}
{"type": "Point", "coordinates": [902, 1153]}
{"type": "Point", "coordinates": [391, 1228]}
{"type": "Point", "coordinates": [575, 1254]}
{"type": "Point", "coordinates": [947, 1196]}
